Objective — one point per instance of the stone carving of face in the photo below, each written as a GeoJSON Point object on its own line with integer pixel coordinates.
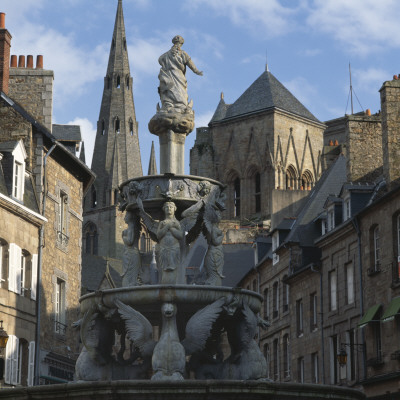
{"type": "Point", "coordinates": [169, 209]}
{"type": "Point", "coordinates": [168, 309]}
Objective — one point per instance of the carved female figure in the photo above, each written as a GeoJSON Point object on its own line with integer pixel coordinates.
{"type": "Point", "coordinates": [131, 259]}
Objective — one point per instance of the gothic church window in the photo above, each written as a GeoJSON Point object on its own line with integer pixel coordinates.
{"type": "Point", "coordinates": [103, 127]}
{"type": "Point", "coordinates": [124, 44]}
{"type": "Point", "coordinates": [131, 127]}
{"type": "Point", "coordinates": [117, 125]}
{"type": "Point", "coordinates": [91, 238]}
{"type": "Point", "coordinates": [257, 182]}
{"type": "Point", "coordinates": [118, 82]}
{"type": "Point", "coordinates": [127, 82]}
{"type": "Point", "coordinates": [307, 180]}
{"type": "Point", "coordinates": [291, 178]}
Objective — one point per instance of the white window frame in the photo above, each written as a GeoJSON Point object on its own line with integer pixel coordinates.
{"type": "Point", "coordinates": [14, 268]}
{"type": "Point", "coordinates": [346, 208]}
{"type": "Point", "coordinates": [18, 175]}
{"type": "Point", "coordinates": [331, 219]}
{"type": "Point", "coordinates": [11, 375]}
{"type": "Point", "coordinates": [350, 283]}
{"type": "Point", "coordinates": [60, 311]}
{"type": "Point", "coordinates": [333, 289]}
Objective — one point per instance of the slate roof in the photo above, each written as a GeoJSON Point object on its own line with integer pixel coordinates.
{"type": "Point", "coordinates": [266, 92]}
{"type": "Point", "coordinates": [304, 230]}
{"type": "Point", "coordinates": [67, 133]}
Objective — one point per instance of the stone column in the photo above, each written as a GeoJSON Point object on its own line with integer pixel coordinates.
{"type": "Point", "coordinates": [172, 152]}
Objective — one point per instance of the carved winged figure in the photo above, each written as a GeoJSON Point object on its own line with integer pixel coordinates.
{"type": "Point", "coordinates": [170, 237]}
{"type": "Point", "coordinates": [168, 354]}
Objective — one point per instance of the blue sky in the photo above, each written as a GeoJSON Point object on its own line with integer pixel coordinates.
{"type": "Point", "coordinates": [309, 45]}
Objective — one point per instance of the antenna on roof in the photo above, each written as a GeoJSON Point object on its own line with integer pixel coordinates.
{"type": "Point", "coordinates": [351, 95]}
{"type": "Point", "coordinates": [266, 60]}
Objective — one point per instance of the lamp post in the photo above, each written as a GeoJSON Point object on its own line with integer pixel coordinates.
{"type": "Point", "coordinates": [3, 336]}
{"type": "Point", "coordinates": [342, 357]}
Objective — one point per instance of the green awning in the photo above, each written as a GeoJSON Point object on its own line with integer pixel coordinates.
{"type": "Point", "coordinates": [392, 310]}
{"type": "Point", "coordinates": [369, 315]}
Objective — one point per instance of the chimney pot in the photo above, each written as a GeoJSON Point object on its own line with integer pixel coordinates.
{"type": "Point", "coordinates": [29, 62]}
{"type": "Point", "coordinates": [2, 20]}
{"type": "Point", "coordinates": [14, 61]}
{"type": "Point", "coordinates": [368, 112]}
{"type": "Point", "coordinates": [39, 62]}
{"type": "Point", "coordinates": [21, 62]}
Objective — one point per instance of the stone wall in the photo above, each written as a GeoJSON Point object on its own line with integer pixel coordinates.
{"type": "Point", "coordinates": [33, 90]}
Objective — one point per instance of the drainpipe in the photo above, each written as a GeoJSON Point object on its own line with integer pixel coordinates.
{"type": "Point", "coordinates": [322, 322]}
{"type": "Point", "coordinates": [364, 356]}
{"type": "Point", "coordinates": [39, 275]}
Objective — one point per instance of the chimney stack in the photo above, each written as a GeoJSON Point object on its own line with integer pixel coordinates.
{"type": "Point", "coordinates": [5, 44]}
{"type": "Point", "coordinates": [39, 62]}
{"type": "Point", "coordinates": [21, 62]}
{"type": "Point", "coordinates": [29, 62]}
{"type": "Point", "coordinates": [390, 103]}
{"type": "Point", "coordinates": [13, 61]}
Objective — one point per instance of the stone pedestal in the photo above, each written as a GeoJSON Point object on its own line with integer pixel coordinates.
{"type": "Point", "coordinates": [172, 127]}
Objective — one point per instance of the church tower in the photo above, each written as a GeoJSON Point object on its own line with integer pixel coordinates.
{"type": "Point", "coordinates": [116, 155]}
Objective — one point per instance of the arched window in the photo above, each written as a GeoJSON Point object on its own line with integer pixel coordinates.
{"type": "Point", "coordinates": [307, 180]}
{"type": "Point", "coordinates": [257, 184]}
{"type": "Point", "coordinates": [131, 127]}
{"type": "Point", "coordinates": [91, 238]}
{"type": "Point", "coordinates": [94, 197]}
{"type": "Point", "coordinates": [118, 82]}
{"type": "Point", "coordinates": [127, 82]}
{"type": "Point", "coordinates": [291, 178]}
{"type": "Point", "coordinates": [117, 125]}
{"type": "Point", "coordinates": [103, 127]}
{"type": "Point", "coordinates": [236, 189]}
{"type": "Point", "coordinates": [267, 356]}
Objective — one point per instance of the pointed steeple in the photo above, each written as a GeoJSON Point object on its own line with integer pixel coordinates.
{"type": "Point", "coordinates": [116, 155]}
{"type": "Point", "coordinates": [82, 156]}
{"type": "Point", "coordinates": [152, 163]}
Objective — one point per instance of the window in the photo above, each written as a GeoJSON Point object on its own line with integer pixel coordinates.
{"type": "Point", "coordinates": [266, 305]}
{"type": "Point", "coordinates": [376, 326]}
{"type": "Point", "coordinates": [14, 268]}
{"type": "Point", "coordinates": [333, 359]}
{"type": "Point", "coordinates": [91, 238]}
{"type": "Point", "coordinates": [24, 267]}
{"type": "Point", "coordinates": [103, 127]}
{"type": "Point", "coordinates": [257, 183]}
{"type": "Point", "coordinates": [331, 219]}
{"type": "Point", "coordinates": [276, 359]}
{"type": "Point", "coordinates": [62, 230]}
{"type": "Point", "coordinates": [351, 355]}
{"type": "Point", "coordinates": [60, 317]}
{"type": "Point", "coordinates": [323, 227]}
{"type": "Point", "coordinates": [275, 245]}
{"type": "Point", "coordinates": [127, 82]}
{"type": "Point", "coordinates": [124, 44]}
{"type": "Point", "coordinates": [349, 269]}
{"type": "Point", "coordinates": [118, 82]}
{"type": "Point", "coordinates": [333, 290]}
{"type": "Point", "coordinates": [275, 300]}
{"type": "Point", "coordinates": [236, 188]}
{"type": "Point", "coordinates": [94, 197]}
{"type": "Point", "coordinates": [12, 372]}
{"type": "Point", "coordinates": [346, 209]}
{"type": "Point", "coordinates": [18, 187]}
{"type": "Point", "coordinates": [314, 366]}
{"type": "Point", "coordinates": [286, 356]}
{"type": "Point", "coordinates": [285, 295]}
{"type": "Point", "coordinates": [291, 178]}
{"type": "Point", "coordinates": [376, 249]}
{"type": "Point", "coordinates": [313, 312]}
{"type": "Point", "coordinates": [131, 127]}
{"type": "Point", "coordinates": [117, 125]}
{"type": "Point", "coordinates": [267, 356]}
{"type": "Point", "coordinates": [31, 364]}
{"type": "Point", "coordinates": [3, 265]}
{"type": "Point", "coordinates": [307, 180]}
{"type": "Point", "coordinates": [299, 317]}
{"type": "Point", "coordinates": [300, 369]}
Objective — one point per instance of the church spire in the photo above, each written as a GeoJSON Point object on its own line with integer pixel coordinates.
{"type": "Point", "coordinates": [152, 163]}
{"type": "Point", "coordinates": [116, 155]}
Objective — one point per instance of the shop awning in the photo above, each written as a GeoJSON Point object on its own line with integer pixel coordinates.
{"type": "Point", "coordinates": [369, 315]}
{"type": "Point", "coordinates": [392, 310]}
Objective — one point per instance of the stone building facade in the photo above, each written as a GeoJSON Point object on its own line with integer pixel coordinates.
{"type": "Point", "coordinates": [47, 182]}
{"type": "Point", "coordinates": [340, 260]}
{"type": "Point", "coordinates": [265, 142]}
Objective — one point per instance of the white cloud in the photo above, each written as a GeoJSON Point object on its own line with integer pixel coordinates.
{"type": "Point", "coordinates": [369, 80]}
{"type": "Point", "coordinates": [88, 132]}
{"type": "Point", "coordinates": [310, 52]}
{"type": "Point", "coordinates": [361, 26]}
{"type": "Point", "coordinates": [259, 16]}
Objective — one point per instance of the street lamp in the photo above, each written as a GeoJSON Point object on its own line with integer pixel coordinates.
{"type": "Point", "coordinates": [3, 336]}
{"type": "Point", "coordinates": [342, 357]}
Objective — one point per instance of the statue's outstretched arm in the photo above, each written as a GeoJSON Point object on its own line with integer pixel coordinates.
{"type": "Point", "coordinates": [192, 66]}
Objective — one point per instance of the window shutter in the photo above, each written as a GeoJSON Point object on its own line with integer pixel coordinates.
{"type": "Point", "coordinates": [7, 372]}
{"type": "Point", "coordinates": [17, 267]}
{"type": "Point", "coordinates": [14, 362]}
{"type": "Point", "coordinates": [34, 276]}
{"type": "Point", "coordinates": [31, 365]}
{"type": "Point", "coordinates": [11, 267]}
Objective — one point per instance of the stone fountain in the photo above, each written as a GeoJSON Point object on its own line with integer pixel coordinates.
{"type": "Point", "coordinates": [164, 339]}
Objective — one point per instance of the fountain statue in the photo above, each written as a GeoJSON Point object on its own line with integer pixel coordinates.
{"type": "Point", "coordinates": [175, 209]}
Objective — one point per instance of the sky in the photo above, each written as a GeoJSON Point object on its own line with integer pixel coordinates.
{"type": "Point", "coordinates": [308, 45]}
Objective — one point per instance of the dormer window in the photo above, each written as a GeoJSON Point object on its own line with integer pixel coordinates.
{"type": "Point", "coordinates": [275, 245]}
{"type": "Point", "coordinates": [323, 227]}
{"type": "Point", "coordinates": [346, 209]}
{"type": "Point", "coordinates": [18, 176]}
{"type": "Point", "coordinates": [331, 219]}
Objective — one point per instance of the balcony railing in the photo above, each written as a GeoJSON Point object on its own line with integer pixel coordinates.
{"type": "Point", "coordinates": [62, 238]}
{"type": "Point", "coordinates": [60, 328]}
